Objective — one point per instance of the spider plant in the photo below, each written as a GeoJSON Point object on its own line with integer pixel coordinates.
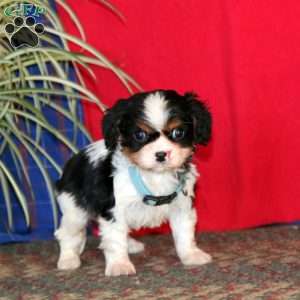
{"type": "Point", "coordinates": [34, 79]}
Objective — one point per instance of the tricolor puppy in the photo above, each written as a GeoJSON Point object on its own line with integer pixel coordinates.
{"type": "Point", "coordinates": [140, 175]}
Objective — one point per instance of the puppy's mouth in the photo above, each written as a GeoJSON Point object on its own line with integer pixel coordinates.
{"type": "Point", "coordinates": [158, 160]}
{"type": "Point", "coordinates": [160, 167]}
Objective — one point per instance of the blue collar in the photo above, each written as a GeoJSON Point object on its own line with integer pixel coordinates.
{"type": "Point", "coordinates": [148, 197]}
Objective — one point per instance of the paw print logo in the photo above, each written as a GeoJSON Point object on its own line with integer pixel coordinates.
{"type": "Point", "coordinates": [24, 32]}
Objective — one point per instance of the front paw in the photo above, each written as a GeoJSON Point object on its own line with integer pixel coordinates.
{"type": "Point", "coordinates": [124, 267]}
{"type": "Point", "coordinates": [196, 257]}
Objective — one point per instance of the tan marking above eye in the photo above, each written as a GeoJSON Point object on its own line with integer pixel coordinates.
{"type": "Point", "coordinates": [172, 124]}
{"type": "Point", "coordinates": [144, 126]}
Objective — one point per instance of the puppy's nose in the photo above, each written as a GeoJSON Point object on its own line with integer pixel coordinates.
{"type": "Point", "coordinates": [161, 156]}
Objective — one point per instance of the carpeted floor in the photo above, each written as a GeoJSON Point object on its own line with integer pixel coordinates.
{"type": "Point", "coordinates": [255, 264]}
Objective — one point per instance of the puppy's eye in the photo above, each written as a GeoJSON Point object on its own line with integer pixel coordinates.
{"type": "Point", "coordinates": [177, 134]}
{"type": "Point", "coordinates": [140, 136]}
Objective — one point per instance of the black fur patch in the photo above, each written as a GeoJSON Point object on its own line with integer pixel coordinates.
{"type": "Point", "coordinates": [121, 118]}
{"type": "Point", "coordinates": [121, 121]}
{"type": "Point", "coordinates": [92, 187]}
{"type": "Point", "coordinates": [193, 113]}
{"type": "Point", "coordinates": [127, 139]}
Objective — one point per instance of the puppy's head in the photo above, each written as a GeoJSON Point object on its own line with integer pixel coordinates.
{"type": "Point", "coordinates": [157, 130]}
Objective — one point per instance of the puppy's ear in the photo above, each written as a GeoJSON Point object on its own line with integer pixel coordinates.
{"type": "Point", "coordinates": [201, 118]}
{"type": "Point", "coordinates": [111, 122]}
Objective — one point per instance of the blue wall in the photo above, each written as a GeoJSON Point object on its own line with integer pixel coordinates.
{"type": "Point", "coordinates": [40, 207]}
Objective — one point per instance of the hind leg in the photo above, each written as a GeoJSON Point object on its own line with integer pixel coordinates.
{"type": "Point", "coordinates": [71, 234]}
{"type": "Point", "coordinates": [135, 246]}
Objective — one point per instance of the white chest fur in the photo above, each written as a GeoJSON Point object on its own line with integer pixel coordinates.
{"type": "Point", "coordinates": [129, 203]}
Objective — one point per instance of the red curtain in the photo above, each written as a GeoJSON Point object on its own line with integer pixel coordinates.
{"type": "Point", "coordinates": [242, 58]}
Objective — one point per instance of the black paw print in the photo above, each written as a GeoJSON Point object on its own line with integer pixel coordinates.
{"type": "Point", "coordinates": [24, 32]}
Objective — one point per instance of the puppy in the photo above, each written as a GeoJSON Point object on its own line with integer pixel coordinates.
{"type": "Point", "coordinates": [140, 175]}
